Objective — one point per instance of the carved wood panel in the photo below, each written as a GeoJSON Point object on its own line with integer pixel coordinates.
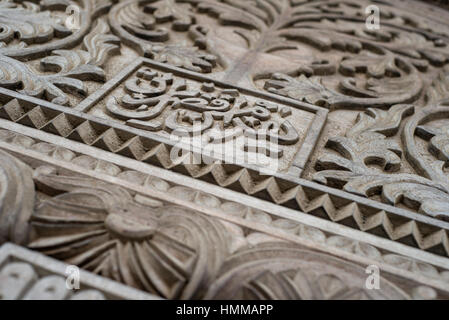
{"type": "Point", "coordinates": [222, 148]}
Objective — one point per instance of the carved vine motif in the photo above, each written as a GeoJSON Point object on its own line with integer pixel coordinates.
{"type": "Point", "coordinates": [390, 59]}
{"type": "Point", "coordinates": [158, 101]}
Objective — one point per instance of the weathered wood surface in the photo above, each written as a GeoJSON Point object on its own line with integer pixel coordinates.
{"type": "Point", "coordinates": [96, 98]}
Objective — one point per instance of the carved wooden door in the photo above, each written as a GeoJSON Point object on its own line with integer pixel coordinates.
{"type": "Point", "coordinates": [218, 149]}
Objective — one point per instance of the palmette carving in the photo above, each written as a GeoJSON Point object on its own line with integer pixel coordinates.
{"type": "Point", "coordinates": [85, 64]}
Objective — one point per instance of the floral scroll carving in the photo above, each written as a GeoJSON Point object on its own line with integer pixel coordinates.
{"type": "Point", "coordinates": [345, 65]}
{"type": "Point", "coordinates": [425, 190]}
{"type": "Point", "coordinates": [138, 23]}
{"type": "Point", "coordinates": [175, 252]}
{"type": "Point", "coordinates": [38, 30]}
{"type": "Point", "coordinates": [367, 68]}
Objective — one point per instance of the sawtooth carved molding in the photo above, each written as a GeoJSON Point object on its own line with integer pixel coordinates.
{"type": "Point", "coordinates": [28, 275]}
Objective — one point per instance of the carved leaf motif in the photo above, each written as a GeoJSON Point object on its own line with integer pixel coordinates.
{"type": "Point", "coordinates": [85, 64]}
{"type": "Point", "coordinates": [365, 143]}
{"type": "Point", "coordinates": [168, 11]}
{"type": "Point", "coordinates": [303, 89]}
{"type": "Point", "coordinates": [430, 200]}
{"type": "Point", "coordinates": [416, 192]}
{"type": "Point", "coordinates": [380, 121]}
{"type": "Point", "coordinates": [71, 67]}
{"type": "Point", "coordinates": [401, 85]}
{"type": "Point", "coordinates": [17, 75]}
{"type": "Point", "coordinates": [375, 66]}
{"type": "Point", "coordinates": [28, 23]}
{"type": "Point", "coordinates": [438, 92]}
